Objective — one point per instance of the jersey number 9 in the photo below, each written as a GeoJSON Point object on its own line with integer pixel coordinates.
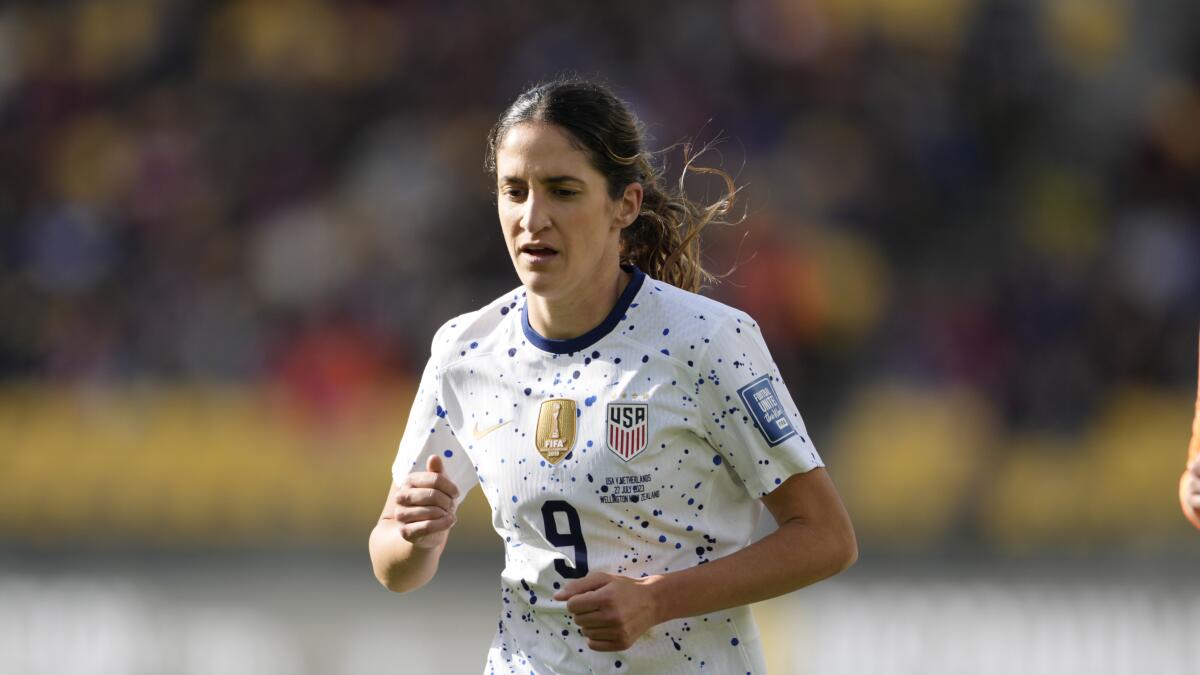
{"type": "Point", "coordinates": [573, 537]}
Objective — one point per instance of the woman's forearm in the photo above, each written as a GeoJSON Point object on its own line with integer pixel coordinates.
{"type": "Point", "coordinates": [411, 532]}
{"type": "Point", "coordinates": [793, 556]}
{"type": "Point", "coordinates": [399, 565]}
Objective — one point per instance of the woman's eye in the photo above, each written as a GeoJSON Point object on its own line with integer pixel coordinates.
{"type": "Point", "coordinates": [563, 192]}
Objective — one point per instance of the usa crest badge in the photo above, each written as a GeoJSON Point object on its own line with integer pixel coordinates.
{"type": "Point", "coordinates": [555, 435]}
{"type": "Point", "coordinates": [628, 429]}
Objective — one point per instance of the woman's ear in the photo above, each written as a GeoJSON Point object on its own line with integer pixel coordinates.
{"type": "Point", "coordinates": [630, 206]}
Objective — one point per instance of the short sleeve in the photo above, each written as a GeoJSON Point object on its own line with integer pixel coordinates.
{"type": "Point", "coordinates": [429, 432]}
{"type": "Point", "coordinates": [749, 416]}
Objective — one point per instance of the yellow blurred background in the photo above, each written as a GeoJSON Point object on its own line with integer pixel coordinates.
{"type": "Point", "coordinates": [222, 468]}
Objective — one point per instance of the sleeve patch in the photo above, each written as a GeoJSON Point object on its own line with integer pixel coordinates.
{"type": "Point", "coordinates": [763, 404]}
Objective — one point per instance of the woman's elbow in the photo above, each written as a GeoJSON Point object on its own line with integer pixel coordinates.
{"type": "Point", "coordinates": [849, 552]}
{"type": "Point", "coordinates": [398, 566]}
{"type": "Point", "coordinates": [397, 581]}
{"type": "Point", "coordinates": [395, 585]}
{"type": "Point", "coordinates": [388, 581]}
{"type": "Point", "coordinates": [384, 563]}
{"type": "Point", "coordinates": [844, 551]}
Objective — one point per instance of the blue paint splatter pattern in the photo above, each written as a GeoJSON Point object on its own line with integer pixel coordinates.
{"type": "Point", "coordinates": [683, 493]}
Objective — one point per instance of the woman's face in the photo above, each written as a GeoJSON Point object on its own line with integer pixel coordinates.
{"type": "Point", "coordinates": [562, 229]}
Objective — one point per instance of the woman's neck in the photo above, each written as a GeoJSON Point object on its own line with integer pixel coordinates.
{"type": "Point", "coordinates": [576, 313]}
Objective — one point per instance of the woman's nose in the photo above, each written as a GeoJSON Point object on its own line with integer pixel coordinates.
{"type": "Point", "coordinates": [537, 215]}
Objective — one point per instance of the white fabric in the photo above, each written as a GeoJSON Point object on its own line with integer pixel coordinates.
{"type": "Point", "coordinates": [690, 496]}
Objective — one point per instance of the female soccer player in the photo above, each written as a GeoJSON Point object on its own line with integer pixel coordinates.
{"type": "Point", "coordinates": [1189, 482]}
{"type": "Point", "coordinates": [626, 432]}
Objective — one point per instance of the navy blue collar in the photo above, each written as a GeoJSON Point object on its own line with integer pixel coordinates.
{"type": "Point", "coordinates": [593, 336]}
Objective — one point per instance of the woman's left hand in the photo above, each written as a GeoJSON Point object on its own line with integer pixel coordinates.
{"type": "Point", "coordinates": [611, 611]}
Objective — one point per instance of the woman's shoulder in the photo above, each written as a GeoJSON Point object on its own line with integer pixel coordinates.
{"type": "Point", "coordinates": [687, 327]}
{"type": "Point", "coordinates": [671, 304]}
{"type": "Point", "coordinates": [469, 332]}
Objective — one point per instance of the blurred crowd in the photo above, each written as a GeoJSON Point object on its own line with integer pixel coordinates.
{"type": "Point", "coordinates": [992, 197]}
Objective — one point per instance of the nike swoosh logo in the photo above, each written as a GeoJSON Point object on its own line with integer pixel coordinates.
{"type": "Point", "coordinates": [480, 433]}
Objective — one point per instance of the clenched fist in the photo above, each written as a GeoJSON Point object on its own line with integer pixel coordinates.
{"type": "Point", "coordinates": [425, 505]}
{"type": "Point", "coordinates": [612, 611]}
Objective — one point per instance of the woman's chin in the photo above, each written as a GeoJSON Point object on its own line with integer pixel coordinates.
{"type": "Point", "coordinates": [538, 282]}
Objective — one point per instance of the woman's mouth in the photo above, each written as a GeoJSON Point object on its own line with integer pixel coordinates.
{"type": "Point", "coordinates": [538, 254]}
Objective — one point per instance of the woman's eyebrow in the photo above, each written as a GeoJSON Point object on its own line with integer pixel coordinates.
{"type": "Point", "coordinates": [562, 179]}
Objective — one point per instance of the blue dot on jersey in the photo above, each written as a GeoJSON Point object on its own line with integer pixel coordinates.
{"type": "Point", "coordinates": [666, 331]}
{"type": "Point", "coordinates": [734, 642]}
{"type": "Point", "coordinates": [514, 498]}
{"type": "Point", "coordinates": [528, 391]}
{"type": "Point", "coordinates": [589, 400]}
{"type": "Point", "coordinates": [662, 538]}
{"type": "Point", "coordinates": [441, 412]}
{"type": "Point", "coordinates": [665, 351]}
{"type": "Point", "coordinates": [645, 359]}
{"type": "Point", "coordinates": [448, 453]}
{"type": "Point", "coordinates": [717, 460]}
{"type": "Point", "coordinates": [474, 345]}
{"type": "Point", "coordinates": [512, 352]}
{"type": "Point", "coordinates": [575, 375]}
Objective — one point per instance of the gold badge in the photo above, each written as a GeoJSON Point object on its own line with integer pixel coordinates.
{"type": "Point", "coordinates": [556, 429]}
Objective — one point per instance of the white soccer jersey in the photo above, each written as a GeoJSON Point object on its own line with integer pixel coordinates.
{"type": "Point", "coordinates": [639, 448]}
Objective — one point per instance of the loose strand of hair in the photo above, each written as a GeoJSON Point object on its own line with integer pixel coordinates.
{"type": "Point", "coordinates": [681, 262]}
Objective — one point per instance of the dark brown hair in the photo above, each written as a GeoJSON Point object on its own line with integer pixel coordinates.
{"type": "Point", "coordinates": [664, 241]}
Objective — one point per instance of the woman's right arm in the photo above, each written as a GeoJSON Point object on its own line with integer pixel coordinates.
{"type": "Point", "coordinates": [411, 533]}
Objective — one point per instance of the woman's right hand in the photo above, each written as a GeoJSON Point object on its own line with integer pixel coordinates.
{"type": "Point", "coordinates": [425, 505]}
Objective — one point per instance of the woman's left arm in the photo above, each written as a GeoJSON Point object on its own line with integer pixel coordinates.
{"type": "Point", "coordinates": [1189, 482]}
{"type": "Point", "coordinates": [814, 540]}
